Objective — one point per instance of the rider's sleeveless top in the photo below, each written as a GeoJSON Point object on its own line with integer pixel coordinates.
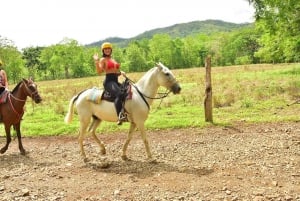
{"type": "Point", "coordinates": [112, 64]}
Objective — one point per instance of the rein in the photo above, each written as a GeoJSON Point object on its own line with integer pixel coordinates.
{"type": "Point", "coordinates": [17, 99]}
{"type": "Point", "coordinates": [145, 96]}
{"type": "Point", "coordinates": [13, 108]}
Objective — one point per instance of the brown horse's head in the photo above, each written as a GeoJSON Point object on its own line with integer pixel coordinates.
{"type": "Point", "coordinates": [31, 90]}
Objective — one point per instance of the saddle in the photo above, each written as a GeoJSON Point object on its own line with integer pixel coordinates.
{"type": "Point", "coordinates": [96, 96]}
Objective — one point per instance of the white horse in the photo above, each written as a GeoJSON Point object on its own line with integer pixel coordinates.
{"type": "Point", "coordinates": [137, 108]}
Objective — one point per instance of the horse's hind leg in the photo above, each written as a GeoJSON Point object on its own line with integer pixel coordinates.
{"type": "Point", "coordinates": [129, 137]}
{"type": "Point", "coordinates": [84, 122]}
{"type": "Point", "coordinates": [18, 131]}
{"type": "Point", "coordinates": [95, 123]}
{"type": "Point", "coordinates": [8, 140]}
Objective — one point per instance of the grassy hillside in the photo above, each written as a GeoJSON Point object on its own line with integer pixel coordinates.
{"type": "Point", "coordinates": [178, 31]}
{"type": "Point", "coordinates": [251, 93]}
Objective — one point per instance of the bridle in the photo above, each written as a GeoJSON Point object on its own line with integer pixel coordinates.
{"type": "Point", "coordinates": [30, 92]}
{"type": "Point", "coordinates": [165, 94]}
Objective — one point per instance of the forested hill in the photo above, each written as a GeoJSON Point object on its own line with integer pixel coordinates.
{"type": "Point", "coordinates": [178, 30]}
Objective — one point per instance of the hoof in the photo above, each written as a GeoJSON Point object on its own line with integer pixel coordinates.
{"type": "Point", "coordinates": [125, 158]}
{"type": "Point", "coordinates": [103, 152]}
{"type": "Point", "coordinates": [2, 151]}
{"type": "Point", "coordinates": [104, 165]}
{"type": "Point", "coordinates": [152, 160]}
{"type": "Point", "coordinates": [85, 160]}
{"type": "Point", "coordinates": [23, 152]}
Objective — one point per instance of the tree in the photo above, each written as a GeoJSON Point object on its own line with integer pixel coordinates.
{"type": "Point", "coordinates": [31, 56]}
{"type": "Point", "coordinates": [239, 47]}
{"type": "Point", "coordinates": [12, 59]}
{"type": "Point", "coordinates": [135, 57]}
{"type": "Point", "coordinates": [160, 49]}
{"type": "Point", "coordinates": [279, 21]}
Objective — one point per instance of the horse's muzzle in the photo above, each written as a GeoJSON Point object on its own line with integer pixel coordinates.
{"type": "Point", "coordinates": [37, 99]}
{"type": "Point", "coordinates": [176, 88]}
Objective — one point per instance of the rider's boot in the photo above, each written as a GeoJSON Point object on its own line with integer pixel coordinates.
{"type": "Point", "coordinates": [122, 118]}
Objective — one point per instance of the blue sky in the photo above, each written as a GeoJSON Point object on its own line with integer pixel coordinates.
{"type": "Point", "coordinates": [46, 22]}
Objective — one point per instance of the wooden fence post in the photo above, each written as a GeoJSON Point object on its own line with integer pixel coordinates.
{"type": "Point", "coordinates": [208, 91]}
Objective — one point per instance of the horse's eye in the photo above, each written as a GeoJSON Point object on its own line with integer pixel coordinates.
{"type": "Point", "coordinates": [167, 74]}
{"type": "Point", "coordinates": [32, 88]}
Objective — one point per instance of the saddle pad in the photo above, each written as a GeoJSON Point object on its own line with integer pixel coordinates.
{"type": "Point", "coordinates": [95, 95]}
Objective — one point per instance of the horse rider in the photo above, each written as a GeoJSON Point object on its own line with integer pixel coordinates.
{"type": "Point", "coordinates": [3, 78]}
{"type": "Point", "coordinates": [112, 72]}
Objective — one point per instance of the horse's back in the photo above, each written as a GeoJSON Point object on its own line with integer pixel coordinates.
{"type": "Point", "coordinates": [89, 103]}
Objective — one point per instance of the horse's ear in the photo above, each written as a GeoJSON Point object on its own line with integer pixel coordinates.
{"type": "Point", "coordinates": [159, 65]}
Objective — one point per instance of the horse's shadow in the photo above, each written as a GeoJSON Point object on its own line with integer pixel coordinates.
{"type": "Point", "coordinates": [143, 169]}
{"type": "Point", "coordinates": [16, 159]}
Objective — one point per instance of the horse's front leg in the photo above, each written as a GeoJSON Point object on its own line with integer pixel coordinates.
{"type": "Point", "coordinates": [8, 140]}
{"type": "Point", "coordinates": [144, 138]}
{"type": "Point", "coordinates": [18, 131]}
{"type": "Point", "coordinates": [129, 137]}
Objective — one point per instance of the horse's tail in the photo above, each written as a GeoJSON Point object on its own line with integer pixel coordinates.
{"type": "Point", "coordinates": [69, 115]}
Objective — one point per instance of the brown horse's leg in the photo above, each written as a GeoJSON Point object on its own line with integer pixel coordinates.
{"type": "Point", "coordinates": [18, 131]}
{"type": "Point", "coordinates": [8, 139]}
{"type": "Point", "coordinates": [129, 137]}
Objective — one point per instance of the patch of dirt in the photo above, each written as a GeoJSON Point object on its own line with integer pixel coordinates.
{"type": "Point", "coordinates": [242, 162]}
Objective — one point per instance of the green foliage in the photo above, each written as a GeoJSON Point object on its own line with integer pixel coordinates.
{"type": "Point", "coordinates": [239, 47]}
{"type": "Point", "coordinates": [31, 56]}
{"type": "Point", "coordinates": [279, 23]}
{"type": "Point", "coordinates": [135, 57]}
{"type": "Point", "coordinates": [12, 60]}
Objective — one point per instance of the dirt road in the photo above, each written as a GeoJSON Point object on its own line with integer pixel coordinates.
{"type": "Point", "coordinates": [242, 162]}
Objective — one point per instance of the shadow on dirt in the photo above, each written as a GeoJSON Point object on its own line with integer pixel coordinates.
{"type": "Point", "coordinates": [11, 160]}
{"type": "Point", "coordinates": [143, 169]}
{"type": "Point", "coordinates": [16, 160]}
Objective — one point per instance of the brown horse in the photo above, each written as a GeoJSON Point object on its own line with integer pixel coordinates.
{"type": "Point", "coordinates": [12, 109]}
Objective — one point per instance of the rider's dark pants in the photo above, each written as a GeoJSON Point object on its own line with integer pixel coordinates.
{"type": "Point", "coordinates": [112, 85]}
{"type": "Point", "coordinates": [2, 89]}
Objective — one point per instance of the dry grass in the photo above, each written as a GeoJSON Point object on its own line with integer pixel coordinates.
{"type": "Point", "coordinates": [252, 92]}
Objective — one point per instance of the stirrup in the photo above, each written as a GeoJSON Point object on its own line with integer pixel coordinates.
{"type": "Point", "coordinates": [122, 118]}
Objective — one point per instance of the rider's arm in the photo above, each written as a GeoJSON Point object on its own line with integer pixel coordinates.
{"type": "Point", "coordinates": [5, 79]}
{"type": "Point", "coordinates": [100, 64]}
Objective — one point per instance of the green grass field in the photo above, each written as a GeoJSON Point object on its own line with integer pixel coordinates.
{"type": "Point", "coordinates": [251, 94]}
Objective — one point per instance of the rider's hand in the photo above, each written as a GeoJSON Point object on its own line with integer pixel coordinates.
{"type": "Point", "coordinates": [123, 73]}
{"type": "Point", "coordinates": [96, 57]}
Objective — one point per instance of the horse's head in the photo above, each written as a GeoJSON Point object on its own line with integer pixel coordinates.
{"type": "Point", "coordinates": [167, 79]}
{"type": "Point", "coordinates": [31, 90]}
